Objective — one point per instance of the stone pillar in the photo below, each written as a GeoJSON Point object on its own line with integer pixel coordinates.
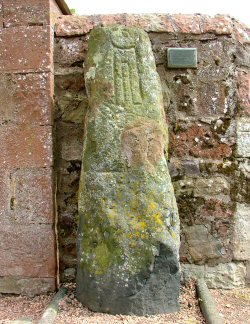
{"type": "Point", "coordinates": [27, 234]}
{"type": "Point", "coordinates": [128, 240]}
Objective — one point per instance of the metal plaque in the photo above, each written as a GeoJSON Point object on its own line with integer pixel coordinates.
{"type": "Point", "coordinates": [182, 57]}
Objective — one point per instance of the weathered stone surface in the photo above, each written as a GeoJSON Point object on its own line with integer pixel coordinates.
{"type": "Point", "coordinates": [26, 286]}
{"type": "Point", "coordinates": [28, 51]}
{"type": "Point", "coordinates": [25, 146]}
{"type": "Point", "coordinates": [70, 50]}
{"type": "Point", "coordinates": [128, 236]}
{"type": "Point", "coordinates": [243, 92]}
{"type": "Point", "coordinates": [241, 238]}
{"type": "Point", "coordinates": [26, 13]}
{"type": "Point", "coordinates": [203, 187]}
{"type": "Point", "coordinates": [193, 24]}
{"type": "Point", "coordinates": [31, 196]}
{"type": "Point", "coordinates": [202, 246]}
{"type": "Point", "coordinates": [224, 276]}
{"type": "Point", "coordinates": [27, 251]}
{"type": "Point", "coordinates": [5, 188]}
{"type": "Point", "coordinates": [248, 272]}
{"type": "Point", "coordinates": [199, 141]}
{"type": "Point", "coordinates": [26, 98]}
{"type": "Point", "coordinates": [192, 271]}
{"type": "Point", "coordinates": [243, 137]}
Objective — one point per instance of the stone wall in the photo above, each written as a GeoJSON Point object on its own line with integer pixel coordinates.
{"type": "Point", "coordinates": [208, 111]}
{"type": "Point", "coordinates": [27, 232]}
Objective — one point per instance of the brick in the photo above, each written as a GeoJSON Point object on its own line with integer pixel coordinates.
{"type": "Point", "coordinates": [26, 13]}
{"type": "Point", "coordinates": [28, 51]}
{"type": "Point", "coordinates": [243, 92]}
{"type": "Point", "coordinates": [27, 251]}
{"type": "Point", "coordinates": [26, 286]}
{"type": "Point", "coordinates": [25, 146]}
{"type": "Point", "coordinates": [4, 191]}
{"type": "Point", "coordinates": [32, 196]}
{"type": "Point", "coordinates": [26, 98]}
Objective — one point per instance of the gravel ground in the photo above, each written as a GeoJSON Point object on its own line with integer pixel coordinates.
{"type": "Point", "coordinates": [233, 305]}
{"type": "Point", "coordinates": [71, 311]}
{"type": "Point", "coordinates": [22, 307]}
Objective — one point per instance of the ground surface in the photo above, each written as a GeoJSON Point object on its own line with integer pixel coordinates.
{"type": "Point", "coordinates": [233, 305]}
{"type": "Point", "coordinates": [71, 311]}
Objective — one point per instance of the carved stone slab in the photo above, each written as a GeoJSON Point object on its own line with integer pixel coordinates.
{"type": "Point", "coordinates": [128, 237]}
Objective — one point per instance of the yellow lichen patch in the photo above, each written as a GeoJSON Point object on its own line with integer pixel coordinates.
{"type": "Point", "coordinates": [141, 226]}
{"type": "Point", "coordinates": [152, 206]}
{"type": "Point", "coordinates": [157, 217]}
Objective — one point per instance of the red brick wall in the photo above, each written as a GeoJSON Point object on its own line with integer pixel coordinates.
{"type": "Point", "coordinates": [27, 233]}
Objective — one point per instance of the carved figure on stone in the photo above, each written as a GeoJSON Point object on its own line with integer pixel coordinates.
{"type": "Point", "coordinates": [128, 236]}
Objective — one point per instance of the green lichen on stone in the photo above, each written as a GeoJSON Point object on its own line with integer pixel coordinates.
{"type": "Point", "coordinates": [129, 227]}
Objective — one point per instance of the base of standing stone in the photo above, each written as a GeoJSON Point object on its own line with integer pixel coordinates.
{"type": "Point", "coordinates": [151, 293]}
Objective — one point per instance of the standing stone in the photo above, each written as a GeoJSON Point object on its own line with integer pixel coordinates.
{"type": "Point", "coordinates": [128, 238]}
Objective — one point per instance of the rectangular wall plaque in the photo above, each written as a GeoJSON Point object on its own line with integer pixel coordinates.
{"type": "Point", "coordinates": [182, 57]}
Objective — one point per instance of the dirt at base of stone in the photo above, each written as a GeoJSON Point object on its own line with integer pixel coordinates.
{"type": "Point", "coordinates": [71, 311]}
{"type": "Point", "coordinates": [14, 307]}
{"type": "Point", "coordinates": [233, 305]}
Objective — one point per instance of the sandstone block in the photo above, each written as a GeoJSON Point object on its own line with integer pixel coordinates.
{"type": "Point", "coordinates": [25, 146]}
{"type": "Point", "coordinates": [198, 141]}
{"type": "Point", "coordinates": [27, 251]}
{"type": "Point", "coordinates": [5, 190]}
{"type": "Point", "coordinates": [26, 98]}
{"type": "Point", "coordinates": [241, 236]}
{"type": "Point", "coordinates": [70, 50]}
{"type": "Point", "coordinates": [226, 276]}
{"type": "Point", "coordinates": [223, 276]}
{"type": "Point", "coordinates": [32, 196]}
{"type": "Point", "coordinates": [202, 246]}
{"type": "Point", "coordinates": [28, 51]}
{"type": "Point", "coordinates": [243, 137]}
{"type": "Point", "coordinates": [128, 238]}
{"type": "Point", "coordinates": [26, 13]}
{"type": "Point", "coordinates": [243, 92]}
{"type": "Point", "coordinates": [219, 24]}
{"type": "Point", "coordinates": [26, 286]}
